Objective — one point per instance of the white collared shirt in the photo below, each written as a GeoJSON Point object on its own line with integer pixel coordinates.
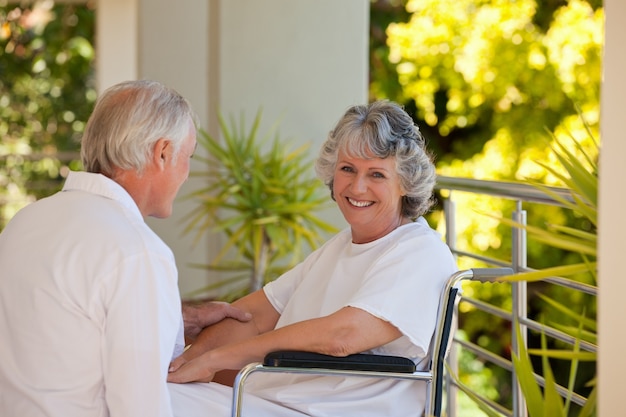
{"type": "Point", "coordinates": [90, 311]}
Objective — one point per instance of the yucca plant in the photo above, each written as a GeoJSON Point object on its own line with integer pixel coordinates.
{"type": "Point", "coordinates": [581, 178]}
{"type": "Point", "coordinates": [262, 196]}
{"type": "Point", "coordinates": [548, 402]}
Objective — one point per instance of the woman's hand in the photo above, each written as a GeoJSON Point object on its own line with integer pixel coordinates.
{"type": "Point", "coordinates": [177, 363]}
{"type": "Point", "coordinates": [195, 370]}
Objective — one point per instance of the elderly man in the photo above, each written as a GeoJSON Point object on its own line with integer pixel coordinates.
{"type": "Point", "coordinates": [90, 312]}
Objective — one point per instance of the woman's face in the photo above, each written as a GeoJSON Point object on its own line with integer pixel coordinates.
{"type": "Point", "coordinates": [369, 195]}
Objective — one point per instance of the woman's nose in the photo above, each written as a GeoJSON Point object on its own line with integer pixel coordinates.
{"type": "Point", "coordinates": [359, 184]}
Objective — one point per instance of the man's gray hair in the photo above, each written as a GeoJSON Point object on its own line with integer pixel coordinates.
{"type": "Point", "coordinates": [128, 119]}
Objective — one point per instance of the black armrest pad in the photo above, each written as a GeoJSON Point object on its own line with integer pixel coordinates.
{"type": "Point", "coordinates": [358, 362]}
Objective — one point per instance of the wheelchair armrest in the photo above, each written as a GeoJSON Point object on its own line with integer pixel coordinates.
{"type": "Point", "coordinates": [358, 362]}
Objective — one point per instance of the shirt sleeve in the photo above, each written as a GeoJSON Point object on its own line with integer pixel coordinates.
{"type": "Point", "coordinates": [141, 327]}
{"type": "Point", "coordinates": [404, 286]}
{"type": "Point", "coordinates": [280, 291]}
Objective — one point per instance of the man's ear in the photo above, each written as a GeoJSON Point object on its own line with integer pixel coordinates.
{"type": "Point", "coordinates": [162, 152]}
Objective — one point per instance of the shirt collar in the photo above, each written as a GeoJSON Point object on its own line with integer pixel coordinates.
{"type": "Point", "coordinates": [100, 185]}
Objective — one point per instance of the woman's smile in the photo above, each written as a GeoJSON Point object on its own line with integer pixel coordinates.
{"type": "Point", "coordinates": [359, 203]}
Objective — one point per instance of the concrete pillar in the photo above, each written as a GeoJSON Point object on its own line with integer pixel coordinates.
{"type": "Point", "coordinates": [304, 62]}
{"type": "Point", "coordinates": [612, 222]}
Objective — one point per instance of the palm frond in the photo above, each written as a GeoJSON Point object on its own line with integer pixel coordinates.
{"type": "Point", "coordinates": [260, 194]}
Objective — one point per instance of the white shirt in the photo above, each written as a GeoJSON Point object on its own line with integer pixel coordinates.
{"type": "Point", "coordinates": [398, 278]}
{"type": "Point", "coordinates": [90, 309]}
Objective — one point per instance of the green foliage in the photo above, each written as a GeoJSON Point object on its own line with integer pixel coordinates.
{"type": "Point", "coordinates": [384, 82]}
{"type": "Point", "coordinates": [485, 79]}
{"type": "Point", "coordinates": [581, 177]}
{"type": "Point", "coordinates": [548, 402]}
{"type": "Point", "coordinates": [262, 200]}
{"type": "Point", "coordinates": [46, 94]}
{"type": "Point", "coordinates": [470, 68]}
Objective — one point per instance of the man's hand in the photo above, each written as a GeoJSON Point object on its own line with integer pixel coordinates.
{"type": "Point", "coordinates": [198, 316]}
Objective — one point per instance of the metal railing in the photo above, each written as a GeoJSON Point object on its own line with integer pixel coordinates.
{"type": "Point", "coordinates": [518, 193]}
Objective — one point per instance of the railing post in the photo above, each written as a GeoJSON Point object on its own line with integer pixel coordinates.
{"type": "Point", "coordinates": [449, 210]}
{"type": "Point", "coordinates": [520, 302]}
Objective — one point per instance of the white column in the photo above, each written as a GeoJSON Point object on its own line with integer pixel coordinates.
{"type": "Point", "coordinates": [612, 219]}
{"type": "Point", "coordinates": [304, 62]}
{"type": "Point", "coordinates": [173, 48]}
{"type": "Point", "coordinates": [116, 42]}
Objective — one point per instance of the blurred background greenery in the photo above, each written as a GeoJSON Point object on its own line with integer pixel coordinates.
{"type": "Point", "coordinates": [46, 95]}
{"type": "Point", "coordinates": [491, 83]}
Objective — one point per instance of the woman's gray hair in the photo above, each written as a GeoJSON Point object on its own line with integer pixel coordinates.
{"type": "Point", "coordinates": [128, 119]}
{"type": "Point", "coordinates": [381, 130]}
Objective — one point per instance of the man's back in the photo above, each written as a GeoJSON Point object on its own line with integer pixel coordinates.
{"type": "Point", "coordinates": [83, 283]}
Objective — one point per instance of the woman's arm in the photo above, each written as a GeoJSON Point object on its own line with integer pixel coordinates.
{"type": "Point", "coordinates": [263, 318]}
{"type": "Point", "coordinates": [349, 330]}
{"type": "Point", "coordinates": [229, 330]}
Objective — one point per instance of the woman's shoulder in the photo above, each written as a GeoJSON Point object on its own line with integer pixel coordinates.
{"type": "Point", "coordinates": [342, 237]}
{"type": "Point", "coordinates": [418, 229]}
{"type": "Point", "coordinates": [417, 237]}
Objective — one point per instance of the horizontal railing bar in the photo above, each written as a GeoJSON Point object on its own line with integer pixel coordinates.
{"type": "Point", "coordinates": [494, 405]}
{"type": "Point", "coordinates": [485, 259]}
{"type": "Point", "coordinates": [560, 281]}
{"type": "Point", "coordinates": [488, 308]}
{"type": "Point", "coordinates": [576, 398]}
{"type": "Point", "coordinates": [532, 324]}
{"type": "Point", "coordinates": [504, 189]}
{"type": "Point", "coordinates": [568, 283]}
{"type": "Point", "coordinates": [485, 354]}
{"type": "Point", "coordinates": [557, 334]}
{"type": "Point", "coordinates": [574, 285]}
{"type": "Point", "coordinates": [497, 360]}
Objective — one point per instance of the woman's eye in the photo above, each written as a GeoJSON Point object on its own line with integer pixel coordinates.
{"type": "Point", "coordinates": [378, 175]}
{"type": "Point", "coordinates": [346, 169]}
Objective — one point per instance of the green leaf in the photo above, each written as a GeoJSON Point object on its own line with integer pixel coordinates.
{"type": "Point", "coordinates": [526, 378]}
{"type": "Point", "coordinates": [580, 318]}
{"type": "Point", "coordinates": [553, 403]}
{"type": "Point", "coordinates": [584, 243]}
{"type": "Point", "coordinates": [589, 409]}
{"type": "Point", "coordinates": [259, 194]}
{"type": "Point", "coordinates": [564, 354]}
{"type": "Point", "coordinates": [557, 271]}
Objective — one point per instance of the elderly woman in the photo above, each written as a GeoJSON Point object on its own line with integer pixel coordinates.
{"type": "Point", "coordinates": [374, 287]}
